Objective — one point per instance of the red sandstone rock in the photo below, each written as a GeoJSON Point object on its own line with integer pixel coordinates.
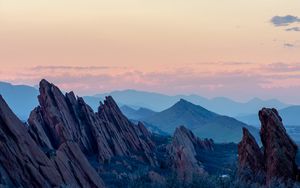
{"type": "Point", "coordinates": [279, 150]}
{"type": "Point", "coordinates": [277, 162]}
{"type": "Point", "coordinates": [108, 133]}
{"type": "Point", "coordinates": [127, 138]}
{"type": "Point", "coordinates": [24, 164]}
{"type": "Point", "coordinates": [251, 159]}
{"type": "Point", "coordinates": [183, 151]}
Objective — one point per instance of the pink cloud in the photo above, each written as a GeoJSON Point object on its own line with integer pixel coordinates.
{"type": "Point", "coordinates": [237, 80]}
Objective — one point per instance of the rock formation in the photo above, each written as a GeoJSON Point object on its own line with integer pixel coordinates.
{"type": "Point", "coordinates": [250, 157]}
{"type": "Point", "coordinates": [62, 118]}
{"type": "Point", "coordinates": [24, 164]}
{"type": "Point", "coordinates": [277, 161]}
{"type": "Point", "coordinates": [63, 132]}
{"type": "Point", "coordinates": [126, 138]}
{"type": "Point", "coordinates": [107, 133]}
{"type": "Point", "coordinates": [183, 153]}
{"type": "Point", "coordinates": [279, 150]}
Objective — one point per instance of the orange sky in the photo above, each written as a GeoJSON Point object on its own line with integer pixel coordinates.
{"type": "Point", "coordinates": [206, 47]}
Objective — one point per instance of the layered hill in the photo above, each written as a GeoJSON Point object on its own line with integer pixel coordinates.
{"type": "Point", "coordinates": [21, 98]}
{"type": "Point", "coordinates": [159, 102]}
{"type": "Point", "coordinates": [202, 122]}
{"type": "Point", "coordinates": [138, 114]}
{"type": "Point", "coordinates": [138, 99]}
{"type": "Point", "coordinates": [67, 144]}
{"type": "Point", "coordinates": [289, 114]}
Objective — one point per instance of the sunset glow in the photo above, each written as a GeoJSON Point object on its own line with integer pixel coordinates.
{"type": "Point", "coordinates": [211, 48]}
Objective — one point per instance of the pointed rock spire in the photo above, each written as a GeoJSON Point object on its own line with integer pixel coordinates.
{"type": "Point", "coordinates": [62, 118]}
{"type": "Point", "coordinates": [277, 162]}
{"type": "Point", "coordinates": [279, 149]}
{"type": "Point", "coordinates": [251, 161]}
{"type": "Point", "coordinates": [183, 151]}
{"type": "Point", "coordinates": [24, 164]}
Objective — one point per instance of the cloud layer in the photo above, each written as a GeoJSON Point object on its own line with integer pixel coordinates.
{"type": "Point", "coordinates": [289, 45]}
{"type": "Point", "coordinates": [293, 29]}
{"type": "Point", "coordinates": [284, 20]}
{"type": "Point", "coordinates": [240, 81]}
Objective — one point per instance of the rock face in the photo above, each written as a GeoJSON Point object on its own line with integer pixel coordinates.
{"type": "Point", "coordinates": [125, 138]}
{"type": "Point", "coordinates": [183, 153]}
{"type": "Point", "coordinates": [107, 133]}
{"type": "Point", "coordinates": [61, 118]}
{"type": "Point", "coordinates": [279, 150]}
{"type": "Point", "coordinates": [277, 161]}
{"type": "Point", "coordinates": [24, 164]}
{"type": "Point", "coordinates": [63, 132]}
{"type": "Point", "coordinates": [250, 157]}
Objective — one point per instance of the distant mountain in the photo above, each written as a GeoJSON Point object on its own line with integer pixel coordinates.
{"type": "Point", "coordinates": [153, 101]}
{"type": "Point", "coordinates": [138, 114]}
{"type": "Point", "coordinates": [21, 98]}
{"type": "Point", "coordinates": [220, 105]}
{"type": "Point", "coordinates": [137, 99]}
{"type": "Point", "coordinates": [202, 122]}
{"type": "Point", "coordinates": [290, 117]}
{"type": "Point", "coordinates": [158, 102]}
{"type": "Point", "coordinates": [93, 102]}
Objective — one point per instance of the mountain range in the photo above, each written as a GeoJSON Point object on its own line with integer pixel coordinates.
{"type": "Point", "coordinates": [21, 95]}
{"type": "Point", "coordinates": [21, 98]}
{"type": "Point", "coordinates": [202, 122]}
{"type": "Point", "coordinates": [65, 143]}
{"type": "Point", "coordinates": [289, 114]}
{"type": "Point", "coordinates": [221, 105]}
{"type": "Point", "coordinates": [137, 114]}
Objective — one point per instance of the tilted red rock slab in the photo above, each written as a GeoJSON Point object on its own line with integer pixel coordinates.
{"type": "Point", "coordinates": [24, 164]}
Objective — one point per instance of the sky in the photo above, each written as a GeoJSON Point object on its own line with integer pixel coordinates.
{"type": "Point", "coordinates": [233, 48]}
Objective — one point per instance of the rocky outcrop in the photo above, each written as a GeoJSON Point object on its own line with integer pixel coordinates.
{"type": "Point", "coordinates": [123, 128]}
{"type": "Point", "coordinates": [277, 160]}
{"type": "Point", "coordinates": [279, 150]}
{"type": "Point", "coordinates": [183, 153]}
{"type": "Point", "coordinates": [24, 164]}
{"type": "Point", "coordinates": [126, 138]}
{"type": "Point", "coordinates": [250, 158]}
{"type": "Point", "coordinates": [58, 117]}
{"type": "Point", "coordinates": [107, 133]}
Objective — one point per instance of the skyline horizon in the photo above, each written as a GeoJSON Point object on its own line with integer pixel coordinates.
{"type": "Point", "coordinates": [238, 49]}
{"type": "Point", "coordinates": [78, 93]}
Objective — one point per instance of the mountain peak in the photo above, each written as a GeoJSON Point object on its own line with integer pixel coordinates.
{"type": "Point", "coordinates": [183, 102]}
{"type": "Point", "coordinates": [203, 122]}
{"type": "Point", "coordinates": [184, 105]}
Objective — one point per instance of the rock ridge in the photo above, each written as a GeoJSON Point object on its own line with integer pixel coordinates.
{"type": "Point", "coordinates": [276, 162]}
